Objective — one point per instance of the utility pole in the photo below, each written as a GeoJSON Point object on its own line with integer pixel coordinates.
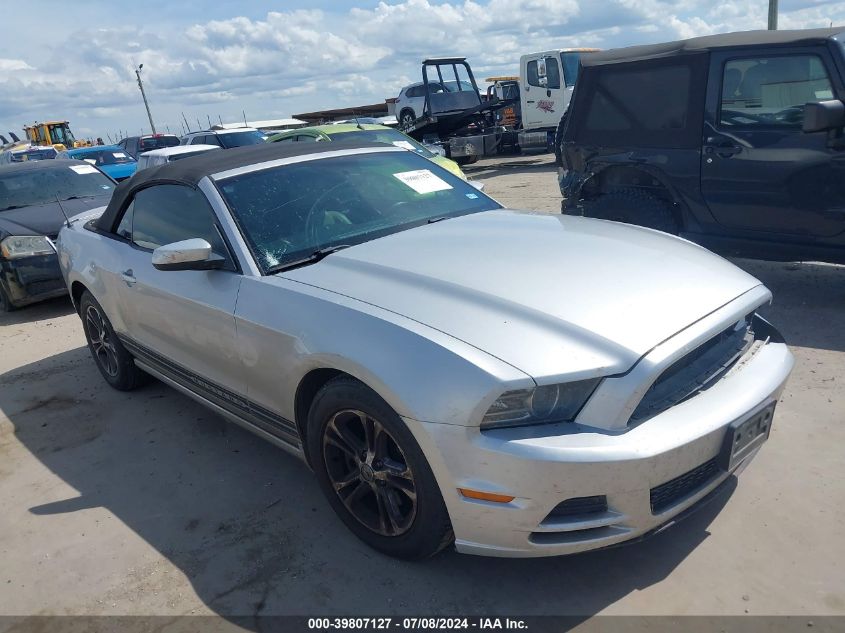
{"type": "Point", "coordinates": [144, 95]}
{"type": "Point", "coordinates": [773, 15]}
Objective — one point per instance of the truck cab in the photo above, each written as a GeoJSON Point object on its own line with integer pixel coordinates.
{"type": "Point", "coordinates": [547, 79]}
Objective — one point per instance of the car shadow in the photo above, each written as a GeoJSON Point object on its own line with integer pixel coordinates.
{"type": "Point", "coordinates": [247, 524]}
{"type": "Point", "coordinates": [40, 311]}
{"type": "Point", "coordinates": [809, 301]}
{"type": "Point", "coordinates": [533, 164]}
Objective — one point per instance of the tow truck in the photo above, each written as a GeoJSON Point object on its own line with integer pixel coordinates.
{"type": "Point", "coordinates": [524, 112]}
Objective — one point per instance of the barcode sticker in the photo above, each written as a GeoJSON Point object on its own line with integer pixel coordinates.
{"type": "Point", "coordinates": [83, 169]}
{"type": "Point", "coordinates": [422, 181]}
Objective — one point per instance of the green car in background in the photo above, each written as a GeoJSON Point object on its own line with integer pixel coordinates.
{"type": "Point", "coordinates": [365, 132]}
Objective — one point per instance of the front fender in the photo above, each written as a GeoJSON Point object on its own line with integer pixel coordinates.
{"type": "Point", "coordinates": [286, 329]}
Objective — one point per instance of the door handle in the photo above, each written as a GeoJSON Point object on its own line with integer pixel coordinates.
{"type": "Point", "coordinates": [128, 276]}
{"type": "Point", "coordinates": [723, 148]}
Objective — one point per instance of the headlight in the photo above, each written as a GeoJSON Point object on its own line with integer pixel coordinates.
{"type": "Point", "coordinates": [549, 403]}
{"type": "Point", "coordinates": [16, 246]}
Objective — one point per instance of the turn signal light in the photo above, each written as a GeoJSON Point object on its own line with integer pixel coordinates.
{"type": "Point", "coordinates": [485, 496]}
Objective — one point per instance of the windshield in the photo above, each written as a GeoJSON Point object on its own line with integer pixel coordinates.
{"type": "Point", "coordinates": [571, 62]}
{"type": "Point", "coordinates": [61, 134]}
{"type": "Point", "coordinates": [387, 135]}
{"type": "Point", "coordinates": [104, 157]}
{"type": "Point", "coordinates": [34, 154]}
{"type": "Point", "coordinates": [42, 186]}
{"type": "Point", "coordinates": [239, 139]}
{"type": "Point", "coordinates": [158, 142]}
{"type": "Point", "coordinates": [182, 155]}
{"type": "Point", "coordinates": [287, 213]}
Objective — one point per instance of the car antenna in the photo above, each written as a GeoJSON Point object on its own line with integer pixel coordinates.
{"type": "Point", "coordinates": [62, 209]}
{"type": "Point", "coordinates": [357, 122]}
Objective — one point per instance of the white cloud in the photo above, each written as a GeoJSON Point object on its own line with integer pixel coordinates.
{"type": "Point", "coordinates": [285, 61]}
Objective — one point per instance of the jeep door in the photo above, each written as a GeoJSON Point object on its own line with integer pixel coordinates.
{"type": "Point", "coordinates": [180, 321]}
{"type": "Point", "coordinates": [761, 176]}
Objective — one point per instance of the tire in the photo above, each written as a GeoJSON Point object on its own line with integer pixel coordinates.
{"type": "Point", "coordinates": [559, 140]}
{"type": "Point", "coordinates": [383, 490]}
{"type": "Point", "coordinates": [406, 119]}
{"type": "Point", "coordinates": [632, 206]}
{"type": "Point", "coordinates": [114, 362]}
{"type": "Point", "coordinates": [466, 160]}
{"type": "Point", "coordinates": [6, 304]}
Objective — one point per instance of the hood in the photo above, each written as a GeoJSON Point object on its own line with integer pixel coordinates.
{"type": "Point", "coordinates": [45, 219]}
{"type": "Point", "coordinates": [120, 170]}
{"type": "Point", "coordinates": [552, 295]}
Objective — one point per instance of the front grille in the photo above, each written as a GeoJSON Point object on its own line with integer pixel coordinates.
{"type": "Point", "coordinates": [666, 495]}
{"type": "Point", "coordinates": [695, 372]}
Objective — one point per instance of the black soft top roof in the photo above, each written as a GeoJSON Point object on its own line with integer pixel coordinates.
{"type": "Point", "coordinates": [710, 42]}
{"type": "Point", "coordinates": [190, 171]}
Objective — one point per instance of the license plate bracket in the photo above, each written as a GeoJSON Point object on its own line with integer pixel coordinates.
{"type": "Point", "coordinates": [744, 437]}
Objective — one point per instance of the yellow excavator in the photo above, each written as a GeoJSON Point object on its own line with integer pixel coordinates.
{"type": "Point", "coordinates": [55, 133]}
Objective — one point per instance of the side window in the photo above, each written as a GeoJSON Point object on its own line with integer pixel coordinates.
{"type": "Point", "coordinates": [415, 91]}
{"type": "Point", "coordinates": [212, 139]}
{"type": "Point", "coordinates": [124, 229]}
{"type": "Point", "coordinates": [287, 139]}
{"type": "Point", "coordinates": [552, 74]}
{"type": "Point", "coordinates": [771, 91]}
{"type": "Point", "coordinates": [533, 76]}
{"type": "Point", "coordinates": [306, 138]}
{"type": "Point", "coordinates": [170, 213]}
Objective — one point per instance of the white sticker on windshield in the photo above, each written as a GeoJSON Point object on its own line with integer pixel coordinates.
{"type": "Point", "coordinates": [118, 154]}
{"type": "Point", "coordinates": [83, 169]}
{"type": "Point", "coordinates": [90, 161]}
{"type": "Point", "coordinates": [405, 145]}
{"type": "Point", "coordinates": [422, 181]}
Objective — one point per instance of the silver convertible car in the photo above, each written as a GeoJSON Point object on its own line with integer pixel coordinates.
{"type": "Point", "coordinates": [519, 384]}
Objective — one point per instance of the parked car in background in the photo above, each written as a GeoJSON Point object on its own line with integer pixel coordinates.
{"type": "Point", "coordinates": [27, 153]}
{"type": "Point", "coordinates": [734, 141]}
{"type": "Point", "coordinates": [365, 133]}
{"type": "Point", "coordinates": [111, 159]}
{"type": "Point", "coordinates": [227, 139]}
{"type": "Point", "coordinates": [137, 145]}
{"type": "Point", "coordinates": [169, 154]}
{"type": "Point", "coordinates": [30, 218]}
{"type": "Point", "coordinates": [377, 316]}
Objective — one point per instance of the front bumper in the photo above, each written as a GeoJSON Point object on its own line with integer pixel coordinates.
{"type": "Point", "coordinates": [546, 465]}
{"type": "Point", "coordinates": [30, 279]}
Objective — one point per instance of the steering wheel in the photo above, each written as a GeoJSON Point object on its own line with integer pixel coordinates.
{"type": "Point", "coordinates": [312, 226]}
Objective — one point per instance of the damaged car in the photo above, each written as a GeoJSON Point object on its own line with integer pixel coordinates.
{"type": "Point", "coordinates": [34, 198]}
{"type": "Point", "coordinates": [397, 329]}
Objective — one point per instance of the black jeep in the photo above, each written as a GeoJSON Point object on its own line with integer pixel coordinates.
{"type": "Point", "coordinates": [734, 141]}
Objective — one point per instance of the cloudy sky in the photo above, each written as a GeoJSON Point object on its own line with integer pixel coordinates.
{"type": "Point", "coordinates": [75, 60]}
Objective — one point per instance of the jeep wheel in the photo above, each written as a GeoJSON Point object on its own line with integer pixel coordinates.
{"type": "Point", "coordinates": [373, 472]}
{"type": "Point", "coordinates": [632, 206]}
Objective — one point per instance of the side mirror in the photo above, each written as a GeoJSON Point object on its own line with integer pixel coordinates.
{"type": "Point", "coordinates": [822, 116]}
{"type": "Point", "coordinates": [477, 184]}
{"type": "Point", "coordinates": [193, 254]}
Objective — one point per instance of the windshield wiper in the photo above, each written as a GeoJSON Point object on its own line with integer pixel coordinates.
{"type": "Point", "coordinates": [314, 257]}
{"type": "Point", "coordinates": [439, 219]}
{"type": "Point", "coordinates": [13, 206]}
{"type": "Point", "coordinates": [79, 197]}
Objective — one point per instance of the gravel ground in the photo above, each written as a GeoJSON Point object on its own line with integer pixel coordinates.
{"type": "Point", "coordinates": [146, 503]}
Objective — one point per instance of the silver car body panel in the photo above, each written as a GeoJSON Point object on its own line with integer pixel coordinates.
{"type": "Point", "coordinates": [442, 319]}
